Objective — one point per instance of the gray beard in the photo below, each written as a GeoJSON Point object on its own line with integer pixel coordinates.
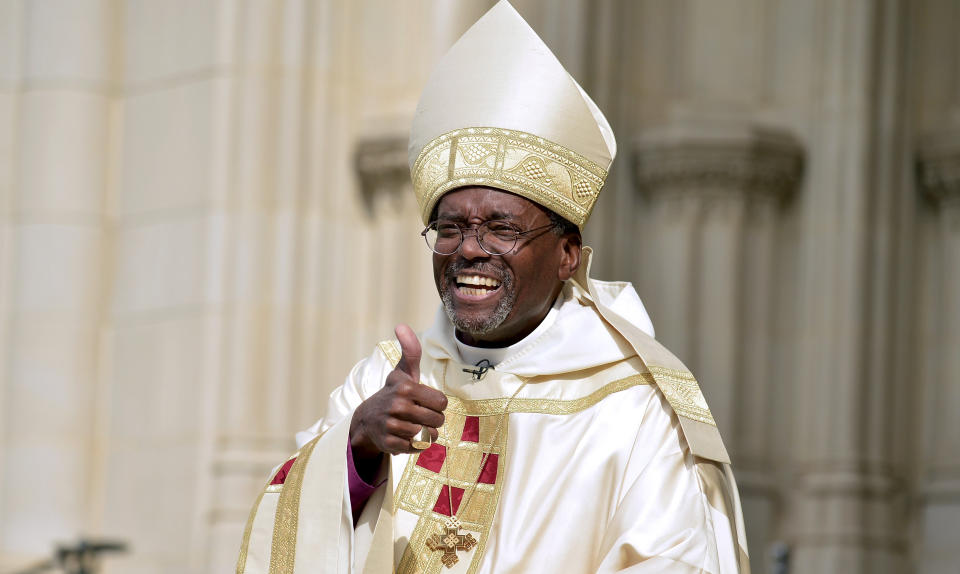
{"type": "Point", "coordinates": [478, 325]}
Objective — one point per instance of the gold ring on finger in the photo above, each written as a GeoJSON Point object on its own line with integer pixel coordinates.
{"type": "Point", "coordinates": [422, 440]}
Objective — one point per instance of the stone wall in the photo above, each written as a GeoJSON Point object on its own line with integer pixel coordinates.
{"type": "Point", "coordinates": [205, 219]}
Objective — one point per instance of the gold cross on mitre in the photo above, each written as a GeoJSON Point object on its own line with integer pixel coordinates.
{"type": "Point", "coordinates": [449, 542]}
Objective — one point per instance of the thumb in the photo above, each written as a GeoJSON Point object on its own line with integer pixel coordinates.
{"type": "Point", "coordinates": [409, 351]}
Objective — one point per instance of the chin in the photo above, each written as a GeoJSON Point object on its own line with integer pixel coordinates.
{"type": "Point", "coordinates": [476, 324]}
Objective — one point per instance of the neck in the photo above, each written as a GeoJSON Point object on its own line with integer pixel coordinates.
{"type": "Point", "coordinates": [493, 341]}
{"type": "Point", "coordinates": [499, 337]}
{"type": "Point", "coordinates": [478, 341]}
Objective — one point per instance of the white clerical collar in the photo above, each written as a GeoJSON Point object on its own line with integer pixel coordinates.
{"type": "Point", "coordinates": [496, 355]}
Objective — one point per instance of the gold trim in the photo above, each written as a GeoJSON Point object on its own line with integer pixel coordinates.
{"type": "Point", "coordinates": [536, 168]}
{"type": "Point", "coordinates": [284, 547]}
{"type": "Point", "coordinates": [248, 529]}
{"type": "Point", "coordinates": [391, 349]}
{"type": "Point", "coordinates": [487, 407]}
{"type": "Point", "coordinates": [683, 393]}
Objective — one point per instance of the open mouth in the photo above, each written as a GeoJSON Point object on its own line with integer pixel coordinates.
{"type": "Point", "coordinates": [476, 285]}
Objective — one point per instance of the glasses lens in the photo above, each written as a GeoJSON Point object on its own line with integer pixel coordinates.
{"type": "Point", "coordinates": [443, 238]}
{"type": "Point", "coordinates": [497, 237]}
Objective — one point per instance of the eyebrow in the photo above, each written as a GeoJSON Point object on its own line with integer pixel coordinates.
{"type": "Point", "coordinates": [494, 216]}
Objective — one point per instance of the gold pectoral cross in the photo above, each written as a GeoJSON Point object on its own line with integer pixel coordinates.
{"type": "Point", "coordinates": [450, 541]}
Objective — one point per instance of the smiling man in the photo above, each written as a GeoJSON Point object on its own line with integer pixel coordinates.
{"type": "Point", "coordinates": [498, 288]}
{"type": "Point", "coordinates": [537, 425]}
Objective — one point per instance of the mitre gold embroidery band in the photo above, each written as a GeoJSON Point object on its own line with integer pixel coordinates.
{"type": "Point", "coordinates": [522, 163]}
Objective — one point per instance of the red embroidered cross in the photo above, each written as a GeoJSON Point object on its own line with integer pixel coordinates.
{"type": "Point", "coordinates": [432, 460]}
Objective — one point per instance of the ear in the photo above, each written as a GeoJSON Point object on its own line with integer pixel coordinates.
{"type": "Point", "coordinates": [569, 246]}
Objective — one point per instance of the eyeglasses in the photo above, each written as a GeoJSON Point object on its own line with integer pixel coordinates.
{"type": "Point", "coordinates": [494, 237]}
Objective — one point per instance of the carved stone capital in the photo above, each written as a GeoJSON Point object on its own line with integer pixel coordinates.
{"type": "Point", "coordinates": [381, 164]}
{"type": "Point", "coordinates": [938, 167]}
{"type": "Point", "coordinates": [709, 158]}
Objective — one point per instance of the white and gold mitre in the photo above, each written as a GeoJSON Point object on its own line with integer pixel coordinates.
{"type": "Point", "coordinates": [500, 110]}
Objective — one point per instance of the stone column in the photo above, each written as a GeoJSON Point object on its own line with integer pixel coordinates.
{"type": "Point", "coordinates": [385, 185]}
{"type": "Point", "coordinates": [833, 74]}
{"type": "Point", "coordinates": [165, 295]}
{"type": "Point", "coordinates": [11, 31]}
{"type": "Point", "coordinates": [852, 338]}
{"type": "Point", "coordinates": [260, 258]}
{"type": "Point", "coordinates": [935, 113]}
{"type": "Point", "coordinates": [53, 282]}
{"type": "Point", "coordinates": [715, 192]}
{"type": "Point", "coordinates": [939, 472]}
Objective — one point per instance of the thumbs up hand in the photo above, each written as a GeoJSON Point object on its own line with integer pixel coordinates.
{"type": "Point", "coordinates": [387, 421]}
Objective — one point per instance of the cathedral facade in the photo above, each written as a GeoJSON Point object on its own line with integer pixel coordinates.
{"type": "Point", "coordinates": [206, 218]}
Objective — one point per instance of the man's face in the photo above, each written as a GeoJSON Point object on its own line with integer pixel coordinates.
{"type": "Point", "coordinates": [496, 300]}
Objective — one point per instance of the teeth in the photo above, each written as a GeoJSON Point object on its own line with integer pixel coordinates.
{"type": "Point", "coordinates": [477, 280]}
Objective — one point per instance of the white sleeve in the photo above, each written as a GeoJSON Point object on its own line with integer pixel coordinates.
{"type": "Point", "coordinates": [677, 511]}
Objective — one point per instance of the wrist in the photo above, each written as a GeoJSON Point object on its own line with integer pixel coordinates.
{"type": "Point", "coordinates": [362, 448]}
{"type": "Point", "coordinates": [365, 467]}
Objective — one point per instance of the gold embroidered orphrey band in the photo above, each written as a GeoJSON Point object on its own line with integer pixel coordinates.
{"type": "Point", "coordinates": [419, 489]}
{"type": "Point", "coordinates": [683, 393]}
{"type": "Point", "coordinates": [284, 546]}
{"type": "Point", "coordinates": [533, 167]}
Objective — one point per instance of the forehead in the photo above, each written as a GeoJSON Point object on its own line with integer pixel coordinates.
{"type": "Point", "coordinates": [486, 203]}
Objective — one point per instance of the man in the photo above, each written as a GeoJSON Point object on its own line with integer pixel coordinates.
{"type": "Point", "coordinates": [536, 426]}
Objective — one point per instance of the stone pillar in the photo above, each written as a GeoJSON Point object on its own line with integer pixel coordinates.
{"type": "Point", "coordinates": [53, 282]}
{"type": "Point", "coordinates": [935, 112]}
{"type": "Point", "coordinates": [259, 263]}
{"type": "Point", "coordinates": [833, 74]}
{"type": "Point", "coordinates": [852, 338]}
{"type": "Point", "coordinates": [715, 192]}
{"type": "Point", "coordinates": [166, 304]}
{"type": "Point", "coordinates": [385, 185]}
{"type": "Point", "coordinates": [939, 472]}
{"type": "Point", "coordinates": [11, 30]}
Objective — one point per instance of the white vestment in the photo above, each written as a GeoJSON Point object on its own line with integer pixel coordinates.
{"type": "Point", "coordinates": [590, 466]}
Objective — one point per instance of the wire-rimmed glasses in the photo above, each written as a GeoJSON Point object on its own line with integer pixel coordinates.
{"type": "Point", "coordinates": [495, 237]}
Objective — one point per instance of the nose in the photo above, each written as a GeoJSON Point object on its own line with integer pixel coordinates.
{"type": "Point", "coordinates": [470, 247]}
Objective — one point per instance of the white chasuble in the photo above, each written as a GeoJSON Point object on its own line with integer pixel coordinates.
{"type": "Point", "coordinates": [590, 467]}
